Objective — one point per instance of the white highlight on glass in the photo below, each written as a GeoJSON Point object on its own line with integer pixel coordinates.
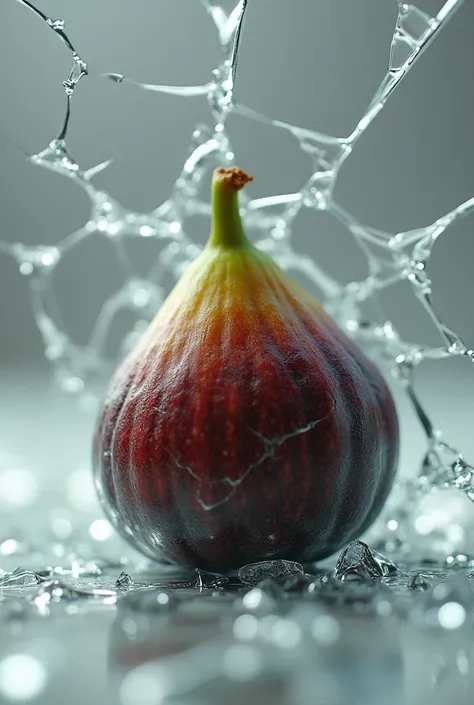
{"type": "Point", "coordinates": [452, 615]}
{"type": "Point", "coordinates": [22, 677]}
{"type": "Point", "coordinates": [101, 530]}
{"type": "Point", "coordinates": [18, 487]}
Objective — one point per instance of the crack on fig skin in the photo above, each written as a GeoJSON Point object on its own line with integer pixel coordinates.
{"type": "Point", "coordinates": [275, 443]}
{"type": "Point", "coordinates": [272, 446]}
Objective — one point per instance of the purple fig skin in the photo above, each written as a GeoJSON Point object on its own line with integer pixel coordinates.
{"type": "Point", "coordinates": [246, 425]}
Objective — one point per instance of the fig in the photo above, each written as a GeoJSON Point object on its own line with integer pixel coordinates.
{"type": "Point", "coordinates": [245, 425]}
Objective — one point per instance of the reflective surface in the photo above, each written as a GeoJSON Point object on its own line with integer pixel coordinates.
{"type": "Point", "coordinates": [157, 637]}
{"type": "Point", "coordinates": [85, 619]}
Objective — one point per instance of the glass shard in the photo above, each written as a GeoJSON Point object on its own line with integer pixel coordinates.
{"type": "Point", "coordinates": [20, 578]}
{"type": "Point", "coordinates": [124, 581]}
{"type": "Point", "coordinates": [412, 28]}
{"type": "Point", "coordinates": [276, 570]}
{"type": "Point", "coordinates": [418, 582]}
{"type": "Point", "coordinates": [358, 562]}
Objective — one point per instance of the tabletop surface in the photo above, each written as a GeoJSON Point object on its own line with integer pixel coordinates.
{"type": "Point", "coordinates": [86, 619]}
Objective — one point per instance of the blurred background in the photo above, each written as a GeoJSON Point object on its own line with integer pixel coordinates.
{"type": "Point", "coordinates": [314, 63]}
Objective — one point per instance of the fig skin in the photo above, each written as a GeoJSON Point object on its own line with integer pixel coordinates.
{"type": "Point", "coordinates": [245, 425]}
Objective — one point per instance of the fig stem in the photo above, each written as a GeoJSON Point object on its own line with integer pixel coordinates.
{"type": "Point", "coordinates": [227, 230]}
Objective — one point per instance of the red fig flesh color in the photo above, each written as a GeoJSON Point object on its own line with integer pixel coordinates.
{"type": "Point", "coordinates": [245, 425]}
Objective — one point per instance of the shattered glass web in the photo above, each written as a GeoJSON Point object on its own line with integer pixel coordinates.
{"type": "Point", "coordinates": [404, 255]}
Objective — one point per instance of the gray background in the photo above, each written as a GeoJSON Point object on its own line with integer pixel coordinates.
{"type": "Point", "coordinates": [316, 63]}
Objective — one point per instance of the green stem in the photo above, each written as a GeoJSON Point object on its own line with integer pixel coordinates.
{"type": "Point", "coordinates": [227, 230]}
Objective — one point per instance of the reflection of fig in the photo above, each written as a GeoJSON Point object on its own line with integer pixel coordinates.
{"type": "Point", "coordinates": [245, 425]}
